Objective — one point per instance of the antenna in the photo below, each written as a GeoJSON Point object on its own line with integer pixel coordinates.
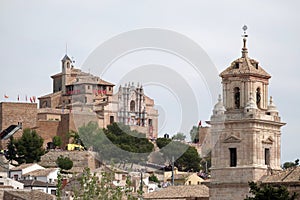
{"type": "Point", "coordinates": [66, 48]}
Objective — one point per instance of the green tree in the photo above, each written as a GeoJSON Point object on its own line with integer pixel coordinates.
{"type": "Point", "coordinates": [189, 160]}
{"type": "Point", "coordinates": [91, 187]}
{"type": "Point", "coordinates": [116, 143]}
{"type": "Point", "coordinates": [29, 147]}
{"type": "Point", "coordinates": [64, 163]}
{"type": "Point", "coordinates": [194, 133]}
{"type": "Point", "coordinates": [11, 153]}
{"type": "Point", "coordinates": [268, 192]}
{"type": "Point", "coordinates": [153, 178]}
{"type": "Point", "coordinates": [287, 165]}
{"type": "Point", "coordinates": [162, 142]}
{"type": "Point", "coordinates": [179, 136]}
{"type": "Point", "coordinates": [57, 141]}
{"type": "Point", "coordinates": [187, 156]}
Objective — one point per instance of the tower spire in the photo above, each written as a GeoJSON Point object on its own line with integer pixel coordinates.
{"type": "Point", "coordinates": [244, 49]}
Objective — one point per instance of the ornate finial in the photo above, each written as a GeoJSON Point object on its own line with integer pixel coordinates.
{"type": "Point", "coordinates": [244, 49]}
{"type": "Point", "coordinates": [271, 100]}
{"type": "Point", "coordinates": [220, 98]}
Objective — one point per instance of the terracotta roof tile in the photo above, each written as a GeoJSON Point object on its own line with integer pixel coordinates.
{"type": "Point", "coordinates": [182, 191]}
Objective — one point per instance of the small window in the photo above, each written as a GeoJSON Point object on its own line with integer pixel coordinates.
{"type": "Point", "coordinates": [237, 97]}
{"type": "Point", "coordinates": [256, 65]}
{"type": "Point", "coordinates": [88, 87]}
{"type": "Point", "coordinates": [237, 66]}
{"type": "Point", "coordinates": [111, 119]}
{"type": "Point", "coordinates": [258, 97]}
{"type": "Point", "coordinates": [190, 182]}
{"type": "Point", "coordinates": [150, 122]}
{"type": "Point", "coordinates": [267, 156]}
{"type": "Point", "coordinates": [132, 106]}
{"type": "Point", "coordinates": [233, 157]}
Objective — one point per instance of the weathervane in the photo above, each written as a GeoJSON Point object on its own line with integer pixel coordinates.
{"type": "Point", "coordinates": [245, 29]}
{"type": "Point", "coordinates": [244, 49]}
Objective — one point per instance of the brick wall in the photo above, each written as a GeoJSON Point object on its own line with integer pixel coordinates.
{"type": "Point", "coordinates": [47, 130]}
{"type": "Point", "coordinates": [14, 112]}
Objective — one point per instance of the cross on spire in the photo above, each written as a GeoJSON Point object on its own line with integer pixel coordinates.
{"type": "Point", "coordinates": [244, 49]}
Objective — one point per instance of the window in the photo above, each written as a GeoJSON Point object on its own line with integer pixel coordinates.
{"type": "Point", "coordinates": [267, 156]}
{"type": "Point", "coordinates": [233, 157]}
{"type": "Point", "coordinates": [150, 122]}
{"type": "Point", "coordinates": [132, 106]}
{"type": "Point", "coordinates": [237, 97]}
{"type": "Point", "coordinates": [237, 65]}
{"type": "Point", "coordinates": [190, 182]}
{"type": "Point", "coordinates": [258, 97]}
{"type": "Point", "coordinates": [16, 177]}
{"type": "Point", "coordinates": [111, 119]}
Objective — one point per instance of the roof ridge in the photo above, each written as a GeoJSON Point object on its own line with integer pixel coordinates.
{"type": "Point", "coordinates": [292, 170]}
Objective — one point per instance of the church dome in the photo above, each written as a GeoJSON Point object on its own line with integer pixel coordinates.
{"type": "Point", "coordinates": [219, 107]}
{"type": "Point", "coordinates": [245, 66]}
{"type": "Point", "coordinates": [272, 107]}
{"type": "Point", "coordinates": [251, 104]}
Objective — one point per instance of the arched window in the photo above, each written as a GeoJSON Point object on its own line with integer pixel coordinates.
{"type": "Point", "coordinates": [258, 97]}
{"type": "Point", "coordinates": [237, 97]}
{"type": "Point", "coordinates": [132, 106]}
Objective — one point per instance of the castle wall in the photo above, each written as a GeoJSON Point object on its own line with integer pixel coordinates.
{"type": "Point", "coordinates": [14, 112]}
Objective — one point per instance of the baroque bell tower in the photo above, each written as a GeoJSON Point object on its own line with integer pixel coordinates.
{"type": "Point", "coordinates": [245, 129]}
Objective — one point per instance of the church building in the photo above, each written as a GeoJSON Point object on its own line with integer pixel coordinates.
{"type": "Point", "coordinates": [79, 97]}
{"type": "Point", "coordinates": [245, 130]}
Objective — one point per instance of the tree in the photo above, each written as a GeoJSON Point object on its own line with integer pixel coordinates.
{"type": "Point", "coordinates": [153, 178]}
{"type": "Point", "coordinates": [189, 160]}
{"type": "Point", "coordinates": [29, 147]}
{"type": "Point", "coordinates": [194, 133]}
{"type": "Point", "coordinates": [57, 141]}
{"type": "Point", "coordinates": [179, 136]}
{"type": "Point", "coordinates": [91, 187]}
{"type": "Point", "coordinates": [11, 153]}
{"type": "Point", "coordinates": [64, 163]}
{"type": "Point", "coordinates": [162, 142]}
{"type": "Point", "coordinates": [269, 192]}
{"type": "Point", "coordinates": [116, 143]}
{"type": "Point", "coordinates": [287, 165]}
{"type": "Point", "coordinates": [187, 157]}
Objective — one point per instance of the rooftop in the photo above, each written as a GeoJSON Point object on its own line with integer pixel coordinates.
{"type": "Point", "coordinates": [40, 172]}
{"type": "Point", "coordinates": [179, 192]}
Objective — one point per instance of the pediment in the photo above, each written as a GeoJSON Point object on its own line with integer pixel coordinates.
{"type": "Point", "coordinates": [269, 140]}
{"type": "Point", "coordinates": [232, 139]}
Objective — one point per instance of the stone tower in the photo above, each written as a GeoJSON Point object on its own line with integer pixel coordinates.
{"type": "Point", "coordinates": [245, 130]}
{"type": "Point", "coordinates": [66, 72]}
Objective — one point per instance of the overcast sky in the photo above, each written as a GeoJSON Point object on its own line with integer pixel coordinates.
{"type": "Point", "coordinates": [34, 35]}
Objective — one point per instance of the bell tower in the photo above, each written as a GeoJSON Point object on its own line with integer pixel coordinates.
{"type": "Point", "coordinates": [66, 65]}
{"type": "Point", "coordinates": [245, 129]}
